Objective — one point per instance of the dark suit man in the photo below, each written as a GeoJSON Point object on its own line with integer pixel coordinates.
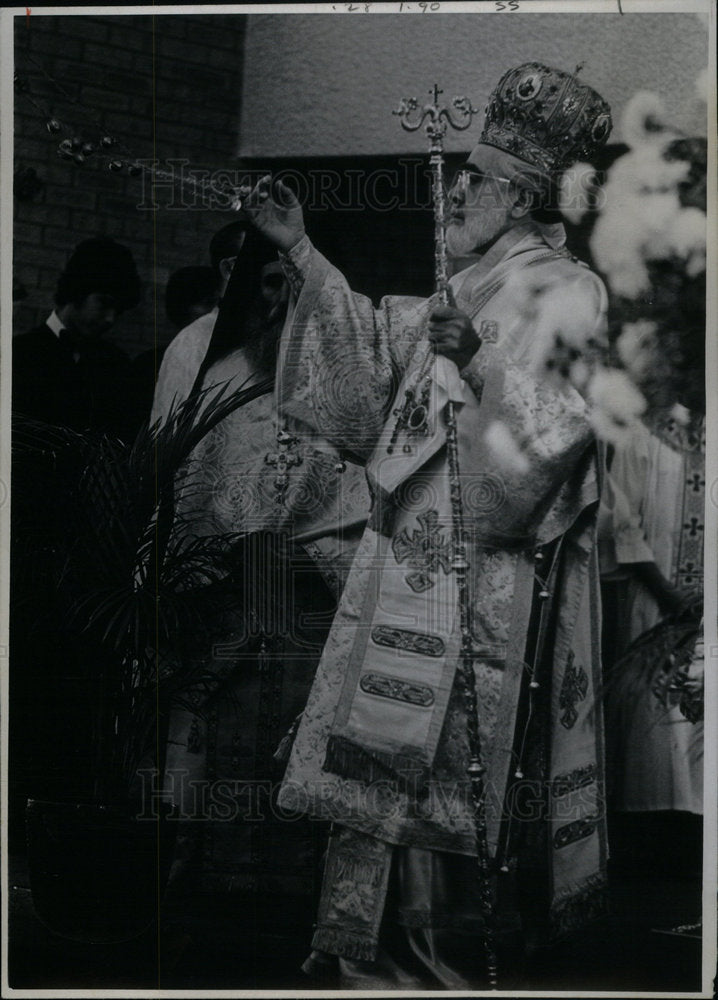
{"type": "Point", "coordinates": [64, 371]}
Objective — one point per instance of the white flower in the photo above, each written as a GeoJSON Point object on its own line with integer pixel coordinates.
{"type": "Point", "coordinates": [615, 405]}
{"type": "Point", "coordinates": [524, 292]}
{"type": "Point", "coordinates": [680, 414]}
{"type": "Point", "coordinates": [636, 346]}
{"type": "Point", "coordinates": [641, 209]}
{"type": "Point", "coordinates": [553, 333]}
{"type": "Point", "coordinates": [644, 120]}
{"type": "Point", "coordinates": [688, 239]}
{"type": "Point", "coordinates": [643, 171]}
{"type": "Point", "coordinates": [579, 375]}
{"type": "Point", "coordinates": [576, 190]}
{"type": "Point", "coordinates": [505, 448]}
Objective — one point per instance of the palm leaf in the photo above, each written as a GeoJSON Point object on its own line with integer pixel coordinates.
{"type": "Point", "coordinates": [653, 664]}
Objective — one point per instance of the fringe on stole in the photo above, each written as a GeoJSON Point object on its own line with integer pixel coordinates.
{"type": "Point", "coordinates": [349, 760]}
{"type": "Point", "coordinates": [344, 944]}
{"type": "Point", "coordinates": [353, 896]}
{"type": "Point", "coordinates": [590, 903]}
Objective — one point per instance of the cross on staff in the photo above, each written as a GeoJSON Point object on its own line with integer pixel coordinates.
{"type": "Point", "coordinates": [438, 119]}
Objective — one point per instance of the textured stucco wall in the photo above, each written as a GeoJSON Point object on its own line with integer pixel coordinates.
{"type": "Point", "coordinates": [322, 84]}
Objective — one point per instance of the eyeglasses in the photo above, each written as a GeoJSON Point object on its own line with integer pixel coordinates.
{"type": "Point", "coordinates": [469, 176]}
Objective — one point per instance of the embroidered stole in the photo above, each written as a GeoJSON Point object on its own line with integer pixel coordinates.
{"type": "Point", "coordinates": [404, 658]}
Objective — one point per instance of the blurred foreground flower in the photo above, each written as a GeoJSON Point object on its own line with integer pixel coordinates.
{"type": "Point", "coordinates": [649, 242]}
{"type": "Point", "coordinates": [506, 450]}
{"type": "Point", "coordinates": [637, 346]}
{"type": "Point", "coordinates": [615, 405]}
{"type": "Point", "coordinates": [563, 345]}
{"type": "Point", "coordinates": [577, 192]}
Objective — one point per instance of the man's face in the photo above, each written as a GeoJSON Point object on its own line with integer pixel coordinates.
{"type": "Point", "coordinates": [479, 208]}
{"type": "Point", "coordinates": [94, 315]}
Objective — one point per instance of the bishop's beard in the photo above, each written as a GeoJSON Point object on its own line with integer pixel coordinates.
{"type": "Point", "coordinates": [262, 341]}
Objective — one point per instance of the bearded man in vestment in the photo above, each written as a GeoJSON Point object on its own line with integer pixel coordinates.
{"type": "Point", "coordinates": [382, 748]}
{"type": "Point", "coordinates": [264, 631]}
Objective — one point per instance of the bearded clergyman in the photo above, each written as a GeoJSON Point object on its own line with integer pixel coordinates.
{"type": "Point", "coordinates": [382, 749]}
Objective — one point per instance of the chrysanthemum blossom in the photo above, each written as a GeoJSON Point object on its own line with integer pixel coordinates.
{"type": "Point", "coordinates": [636, 345]}
{"type": "Point", "coordinates": [641, 212]}
{"type": "Point", "coordinates": [615, 405]}
{"type": "Point", "coordinates": [562, 331]}
{"type": "Point", "coordinates": [685, 238]}
{"type": "Point", "coordinates": [644, 120]}
{"type": "Point", "coordinates": [577, 189]}
{"type": "Point", "coordinates": [680, 414]}
{"type": "Point", "coordinates": [505, 448]}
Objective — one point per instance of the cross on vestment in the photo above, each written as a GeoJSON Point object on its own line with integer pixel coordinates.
{"type": "Point", "coordinates": [283, 460]}
{"type": "Point", "coordinates": [693, 527]}
{"type": "Point", "coordinates": [426, 550]}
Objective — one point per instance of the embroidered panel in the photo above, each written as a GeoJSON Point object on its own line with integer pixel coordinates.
{"type": "Point", "coordinates": [573, 832]}
{"type": "Point", "coordinates": [574, 689]}
{"type": "Point", "coordinates": [397, 689]}
{"type": "Point", "coordinates": [489, 331]}
{"type": "Point", "coordinates": [403, 638]}
{"type": "Point", "coordinates": [564, 784]}
{"type": "Point", "coordinates": [690, 548]}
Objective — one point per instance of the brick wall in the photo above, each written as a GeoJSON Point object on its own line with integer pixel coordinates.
{"type": "Point", "coordinates": [167, 87]}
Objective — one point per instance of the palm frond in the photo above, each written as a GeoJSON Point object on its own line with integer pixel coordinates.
{"type": "Point", "coordinates": [653, 664]}
{"type": "Point", "coordinates": [127, 570]}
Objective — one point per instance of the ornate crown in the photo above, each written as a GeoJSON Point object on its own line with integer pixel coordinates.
{"type": "Point", "coordinates": [546, 118]}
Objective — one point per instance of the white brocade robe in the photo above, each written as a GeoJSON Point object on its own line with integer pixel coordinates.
{"type": "Point", "coordinates": [339, 368]}
{"type": "Point", "coordinates": [653, 511]}
{"type": "Point", "coordinates": [230, 484]}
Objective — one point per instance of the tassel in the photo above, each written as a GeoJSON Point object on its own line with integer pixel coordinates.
{"type": "Point", "coordinates": [284, 750]}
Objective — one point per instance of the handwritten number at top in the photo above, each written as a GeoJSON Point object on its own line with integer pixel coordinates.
{"type": "Point", "coordinates": [422, 5]}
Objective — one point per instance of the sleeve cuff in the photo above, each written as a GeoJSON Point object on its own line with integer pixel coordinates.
{"type": "Point", "coordinates": [295, 264]}
{"type": "Point", "coordinates": [636, 552]}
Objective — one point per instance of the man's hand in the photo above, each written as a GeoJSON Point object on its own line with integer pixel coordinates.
{"type": "Point", "coordinates": [453, 335]}
{"type": "Point", "coordinates": [275, 212]}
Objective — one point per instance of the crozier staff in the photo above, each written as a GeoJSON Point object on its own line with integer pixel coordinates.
{"type": "Point", "coordinates": [382, 748]}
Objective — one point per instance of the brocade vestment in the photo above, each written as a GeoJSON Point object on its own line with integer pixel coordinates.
{"type": "Point", "coordinates": [220, 763]}
{"type": "Point", "coordinates": [340, 364]}
{"type": "Point", "coordinates": [652, 510]}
